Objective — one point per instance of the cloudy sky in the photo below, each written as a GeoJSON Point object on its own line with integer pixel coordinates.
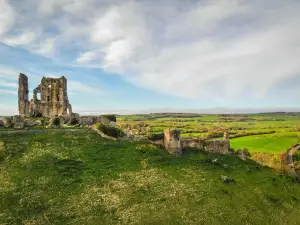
{"type": "Point", "coordinates": [146, 55]}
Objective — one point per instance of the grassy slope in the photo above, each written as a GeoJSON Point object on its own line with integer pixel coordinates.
{"type": "Point", "coordinates": [268, 143]}
{"type": "Point", "coordinates": [68, 177]}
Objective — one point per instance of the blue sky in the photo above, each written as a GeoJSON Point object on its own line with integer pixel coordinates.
{"type": "Point", "coordinates": [150, 56]}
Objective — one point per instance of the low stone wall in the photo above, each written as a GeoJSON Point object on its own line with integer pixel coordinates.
{"type": "Point", "coordinates": [193, 143]}
{"type": "Point", "coordinates": [218, 146]}
{"type": "Point", "coordinates": [174, 144]}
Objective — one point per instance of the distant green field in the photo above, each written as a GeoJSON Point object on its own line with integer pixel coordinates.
{"type": "Point", "coordinates": [268, 143]}
{"type": "Point", "coordinates": [251, 129]}
{"type": "Point", "coordinates": [63, 177]}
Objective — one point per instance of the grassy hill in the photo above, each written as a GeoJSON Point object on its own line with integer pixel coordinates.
{"type": "Point", "coordinates": [76, 177]}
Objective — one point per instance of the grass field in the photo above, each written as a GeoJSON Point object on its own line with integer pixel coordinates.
{"type": "Point", "coordinates": [268, 143]}
{"type": "Point", "coordinates": [76, 177]}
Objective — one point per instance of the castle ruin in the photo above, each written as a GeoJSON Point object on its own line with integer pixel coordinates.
{"type": "Point", "coordinates": [50, 98]}
{"type": "Point", "coordinates": [172, 141]}
{"type": "Point", "coordinates": [175, 145]}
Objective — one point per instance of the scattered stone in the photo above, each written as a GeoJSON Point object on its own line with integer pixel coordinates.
{"type": "Point", "coordinates": [7, 122]}
{"type": "Point", "coordinates": [29, 123]}
{"type": "Point", "coordinates": [105, 121]}
{"type": "Point", "coordinates": [88, 120]}
{"type": "Point", "coordinates": [38, 123]}
{"type": "Point", "coordinates": [243, 154]}
{"type": "Point", "coordinates": [54, 122]}
{"type": "Point", "coordinates": [227, 180]}
{"type": "Point", "coordinates": [18, 122]}
{"type": "Point", "coordinates": [64, 119]}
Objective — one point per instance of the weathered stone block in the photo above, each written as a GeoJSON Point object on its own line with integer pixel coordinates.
{"type": "Point", "coordinates": [29, 123]}
{"type": "Point", "coordinates": [18, 122]}
{"type": "Point", "coordinates": [89, 120]}
{"type": "Point", "coordinates": [7, 122]}
{"type": "Point", "coordinates": [38, 123]}
{"type": "Point", "coordinates": [218, 146]}
{"type": "Point", "coordinates": [64, 119]}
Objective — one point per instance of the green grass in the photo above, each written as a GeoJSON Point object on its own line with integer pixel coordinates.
{"type": "Point", "coordinates": [76, 177]}
{"type": "Point", "coordinates": [268, 143]}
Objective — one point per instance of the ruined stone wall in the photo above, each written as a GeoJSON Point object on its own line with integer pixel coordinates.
{"type": "Point", "coordinates": [172, 141]}
{"type": "Point", "coordinates": [193, 143]}
{"type": "Point", "coordinates": [218, 146]}
{"type": "Point", "coordinates": [23, 95]}
{"type": "Point", "coordinates": [174, 144]}
{"type": "Point", "coordinates": [53, 100]}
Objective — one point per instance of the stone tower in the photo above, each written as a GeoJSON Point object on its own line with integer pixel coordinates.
{"type": "Point", "coordinates": [226, 135]}
{"type": "Point", "coordinates": [23, 95]}
{"type": "Point", "coordinates": [172, 141]}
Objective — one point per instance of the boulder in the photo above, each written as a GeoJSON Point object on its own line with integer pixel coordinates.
{"type": "Point", "coordinates": [38, 123]}
{"type": "Point", "coordinates": [105, 121]}
{"type": "Point", "coordinates": [54, 122]}
{"type": "Point", "coordinates": [87, 120]}
{"type": "Point", "coordinates": [7, 122]}
{"type": "Point", "coordinates": [29, 123]}
{"type": "Point", "coordinates": [227, 180]}
{"type": "Point", "coordinates": [64, 119]}
{"type": "Point", "coordinates": [18, 122]}
{"type": "Point", "coordinates": [76, 115]}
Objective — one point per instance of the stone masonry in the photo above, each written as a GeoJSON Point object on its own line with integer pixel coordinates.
{"type": "Point", "coordinates": [50, 98]}
{"type": "Point", "coordinates": [174, 145]}
{"type": "Point", "coordinates": [172, 141]}
{"type": "Point", "coordinates": [23, 95]}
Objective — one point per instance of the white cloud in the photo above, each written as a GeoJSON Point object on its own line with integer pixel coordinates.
{"type": "Point", "coordinates": [45, 47]}
{"type": "Point", "coordinates": [86, 57]}
{"type": "Point", "coordinates": [193, 49]}
{"type": "Point", "coordinates": [7, 17]}
{"type": "Point", "coordinates": [25, 38]}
